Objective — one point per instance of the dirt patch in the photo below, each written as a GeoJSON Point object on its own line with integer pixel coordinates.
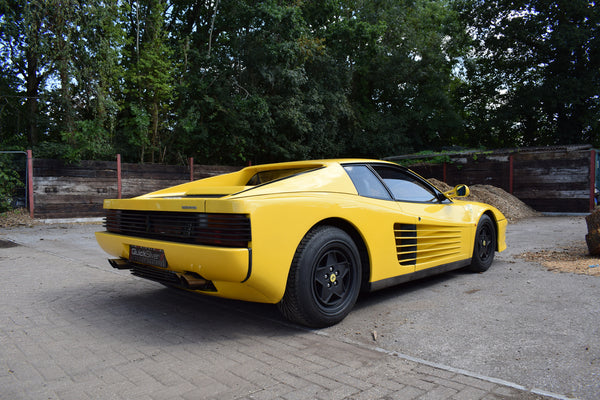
{"type": "Point", "coordinates": [512, 208]}
{"type": "Point", "coordinates": [14, 218]}
{"type": "Point", "coordinates": [573, 258]}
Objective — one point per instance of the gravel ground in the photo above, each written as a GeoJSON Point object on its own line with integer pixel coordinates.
{"type": "Point", "coordinates": [517, 321]}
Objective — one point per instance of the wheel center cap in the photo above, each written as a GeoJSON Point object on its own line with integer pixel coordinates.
{"type": "Point", "coordinates": [332, 278]}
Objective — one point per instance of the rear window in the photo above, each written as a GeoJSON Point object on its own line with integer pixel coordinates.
{"type": "Point", "coordinates": [272, 175]}
{"type": "Point", "coordinates": [366, 183]}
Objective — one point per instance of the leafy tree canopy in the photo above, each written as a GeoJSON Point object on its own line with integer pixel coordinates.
{"type": "Point", "coordinates": [242, 81]}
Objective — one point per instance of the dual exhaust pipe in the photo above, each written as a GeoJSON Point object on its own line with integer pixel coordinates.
{"type": "Point", "coordinates": [188, 280]}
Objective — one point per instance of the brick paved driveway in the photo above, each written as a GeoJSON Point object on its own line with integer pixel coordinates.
{"type": "Point", "coordinates": [73, 328]}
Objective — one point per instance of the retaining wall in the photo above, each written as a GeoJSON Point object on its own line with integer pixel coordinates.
{"type": "Point", "coordinates": [73, 191]}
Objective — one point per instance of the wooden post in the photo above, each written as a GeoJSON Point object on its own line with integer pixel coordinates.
{"type": "Point", "coordinates": [119, 192]}
{"type": "Point", "coordinates": [592, 179]}
{"type": "Point", "coordinates": [510, 174]}
{"type": "Point", "coordinates": [30, 182]}
{"type": "Point", "coordinates": [191, 169]}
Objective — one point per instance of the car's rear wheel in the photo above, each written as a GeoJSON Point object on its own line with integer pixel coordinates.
{"type": "Point", "coordinates": [485, 245]}
{"type": "Point", "coordinates": [324, 279]}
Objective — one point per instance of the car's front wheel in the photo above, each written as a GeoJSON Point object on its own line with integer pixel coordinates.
{"type": "Point", "coordinates": [324, 279]}
{"type": "Point", "coordinates": [485, 245]}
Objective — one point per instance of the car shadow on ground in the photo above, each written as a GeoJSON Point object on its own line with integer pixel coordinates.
{"type": "Point", "coordinates": [369, 299]}
{"type": "Point", "coordinates": [159, 316]}
{"type": "Point", "coordinates": [137, 311]}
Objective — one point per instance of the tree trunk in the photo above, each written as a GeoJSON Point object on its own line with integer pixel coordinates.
{"type": "Point", "coordinates": [593, 237]}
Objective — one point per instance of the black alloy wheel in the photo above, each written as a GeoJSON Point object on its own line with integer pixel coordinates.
{"type": "Point", "coordinates": [485, 245]}
{"type": "Point", "coordinates": [332, 278]}
{"type": "Point", "coordinates": [324, 279]}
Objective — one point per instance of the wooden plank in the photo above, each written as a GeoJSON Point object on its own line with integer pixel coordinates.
{"type": "Point", "coordinates": [544, 194]}
{"type": "Point", "coordinates": [564, 205]}
{"type": "Point", "coordinates": [495, 174]}
{"type": "Point", "coordinates": [58, 185]}
{"type": "Point", "coordinates": [429, 171]}
{"type": "Point", "coordinates": [70, 199]}
{"type": "Point", "coordinates": [63, 211]}
{"type": "Point", "coordinates": [43, 168]}
{"type": "Point", "coordinates": [559, 156]}
{"type": "Point", "coordinates": [136, 187]}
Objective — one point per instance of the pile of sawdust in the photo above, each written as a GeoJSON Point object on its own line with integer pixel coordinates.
{"type": "Point", "coordinates": [19, 217]}
{"type": "Point", "coordinates": [512, 208]}
{"type": "Point", "coordinates": [574, 259]}
{"type": "Point", "coordinates": [443, 186]}
{"type": "Point", "coordinates": [508, 204]}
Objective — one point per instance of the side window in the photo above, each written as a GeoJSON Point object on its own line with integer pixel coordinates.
{"type": "Point", "coordinates": [405, 187]}
{"type": "Point", "coordinates": [366, 183]}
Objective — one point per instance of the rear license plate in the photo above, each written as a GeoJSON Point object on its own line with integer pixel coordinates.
{"type": "Point", "coordinates": [148, 256]}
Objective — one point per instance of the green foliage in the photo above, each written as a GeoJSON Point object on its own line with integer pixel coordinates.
{"type": "Point", "coordinates": [238, 81]}
{"type": "Point", "coordinates": [9, 182]}
{"type": "Point", "coordinates": [534, 78]}
{"type": "Point", "coordinates": [429, 157]}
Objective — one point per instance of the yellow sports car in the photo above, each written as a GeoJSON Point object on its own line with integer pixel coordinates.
{"type": "Point", "coordinates": [308, 236]}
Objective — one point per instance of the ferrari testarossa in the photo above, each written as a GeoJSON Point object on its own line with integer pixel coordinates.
{"type": "Point", "coordinates": [308, 236]}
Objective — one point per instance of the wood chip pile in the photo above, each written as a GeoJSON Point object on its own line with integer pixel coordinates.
{"type": "Point", "coordinates": [573, 258]}
{"type": "Point", "coordinates": [14, 218]}
{"type": "Point", "coordinates": [512, 208]}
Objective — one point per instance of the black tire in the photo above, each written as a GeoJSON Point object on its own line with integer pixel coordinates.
{"type": "Point", "coordinates": [324, 279]}
{"type": "Point", "coordinates": [485, 245]}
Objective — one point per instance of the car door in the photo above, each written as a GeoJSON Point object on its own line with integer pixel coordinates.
{"type": "Point", "coordinates": [391, 254]}
{"type": "Point", "coordinates": [440, 234]}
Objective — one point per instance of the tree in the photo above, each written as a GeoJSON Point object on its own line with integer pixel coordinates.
{"type": "Point", "coordinates": [99, 76]}
{"type": "Point", "coordinates": [25, 55]}
{"type": "Point", "coordinates": [400, 57]}
{"type": "Point", "coordinates": [261, 88]}
{"type": "Point", "coordinates": [64, 52]}
{"type": "Point", "coordinates": [533, 78]}
{"type": "Point", "coordinates": [149, 80]}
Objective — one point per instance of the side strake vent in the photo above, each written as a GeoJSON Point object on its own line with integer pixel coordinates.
{"type": "Point", "coordinates": [225, 230]}
{"type": "Point", "coordinates": [418, 244]}
{"type": "Point", "coordinates": [406, 243]}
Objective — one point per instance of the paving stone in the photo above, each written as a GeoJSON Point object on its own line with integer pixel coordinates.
{"type": "Point", "coordinates": [72, 329]}
{"type": "Point", "coordinates": [439, 393]}
{"type": "Point", "coordinates": [470, 393]}
{"type": "Point", "coordinates": [271, 392]}
{"type": "Point", "coordinates": [420, 381]}
{"type": "Point", "coordinates": [338, 393]}
{"type": "Point", "coordinates": [408, 393]}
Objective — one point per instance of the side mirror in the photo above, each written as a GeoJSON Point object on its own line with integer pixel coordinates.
{"type": "Point", "coordinates": [458, 191]}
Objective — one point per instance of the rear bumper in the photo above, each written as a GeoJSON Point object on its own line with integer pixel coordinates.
{"type": "Point", "coordinates": [211, 263]}
{"type": "Point", "coordinates": [502, 224]}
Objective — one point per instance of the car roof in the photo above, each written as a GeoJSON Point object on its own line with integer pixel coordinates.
{"type": "Point", "coordinates": [325, 175]}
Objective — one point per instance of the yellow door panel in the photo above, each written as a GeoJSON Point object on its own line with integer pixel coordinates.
{"type": "Point", "coordinates": [442, 233]}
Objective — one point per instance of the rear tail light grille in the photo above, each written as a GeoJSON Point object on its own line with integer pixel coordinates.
{"type": "Point", "coordinates": [225, 230]}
